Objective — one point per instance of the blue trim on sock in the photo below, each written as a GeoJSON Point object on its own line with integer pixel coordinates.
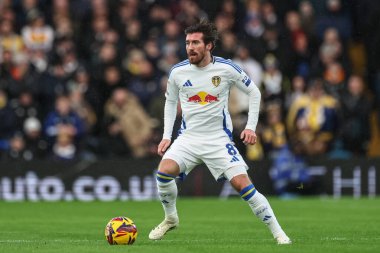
{"type": "Point", "coordinates": [164, 178]}
{"type": "Point", "coordinates": [248, 192]}
{"type": "Point", "coordinates": [166, 175]}
{"type": "Point", "coordinates": [247, 188]}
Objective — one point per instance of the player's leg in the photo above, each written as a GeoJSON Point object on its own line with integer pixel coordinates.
{"type": "Point", "coordinates": [178, 160]}
{"type": "Point", "coordinates": [227, 156]}
{"type": "Point", "coordinates": [167, 192]}
{"type": "Point", "coordinates": [258, 203]}
{"type": "Point", "coordinates": [168, 170]}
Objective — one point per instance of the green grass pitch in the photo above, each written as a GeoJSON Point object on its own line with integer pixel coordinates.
{"type": "Point", "coordinates": [207, 225]}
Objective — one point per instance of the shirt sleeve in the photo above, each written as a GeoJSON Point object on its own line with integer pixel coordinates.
{"type": "Point", "coordinates": [245, 84]}
{"type": "Point", "coordinates": [170, 110]}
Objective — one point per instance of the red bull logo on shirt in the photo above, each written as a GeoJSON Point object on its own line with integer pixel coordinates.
{"type": "Point", "coordinates": [203, 98]}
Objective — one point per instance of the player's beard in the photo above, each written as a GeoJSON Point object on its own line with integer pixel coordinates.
{"type": "Point", "coordinates": [196, 59]}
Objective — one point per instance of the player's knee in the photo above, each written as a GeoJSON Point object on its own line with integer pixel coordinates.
{"type": "Point", "coordinates": [168, 170]}
{"type": "Point", "coordinates": [168, 166]}
{"type": "Point", "coordinates": [240, 182]}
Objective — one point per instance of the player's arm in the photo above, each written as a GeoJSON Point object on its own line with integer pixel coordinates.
{"type": "Point", "coordinates": [170, 113]}
{"type": "Point", "coordinates": [243, 82]}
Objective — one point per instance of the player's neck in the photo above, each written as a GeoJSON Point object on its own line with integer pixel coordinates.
{"type": "Point", "coordinates": [206, 60]}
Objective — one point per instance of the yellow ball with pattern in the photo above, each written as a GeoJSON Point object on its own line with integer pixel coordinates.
{"type": "Point", "coordinates": [121, 230]}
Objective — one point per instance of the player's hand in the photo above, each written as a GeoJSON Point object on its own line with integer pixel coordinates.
{"type": "Point", "coordinates": [163, 146]}
{"type": "Point", "coordinates": [248, 136]}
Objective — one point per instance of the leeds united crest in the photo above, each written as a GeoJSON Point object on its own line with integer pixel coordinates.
{"type": "Point", "coordinates": [216, 80]}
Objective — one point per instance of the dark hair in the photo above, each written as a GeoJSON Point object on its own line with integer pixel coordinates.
{"type": "Point", "coordinates": [210, 33]}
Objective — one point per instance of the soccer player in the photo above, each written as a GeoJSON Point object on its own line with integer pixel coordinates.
{"type": "Point", "coordinates": [202, 84]}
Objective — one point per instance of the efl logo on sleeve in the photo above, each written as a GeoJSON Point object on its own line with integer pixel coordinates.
{"type": "Point", "coordinates": [246, 81]}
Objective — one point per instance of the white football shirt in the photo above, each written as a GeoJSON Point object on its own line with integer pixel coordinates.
{"type": "Point", "coordinates": [203, 94]}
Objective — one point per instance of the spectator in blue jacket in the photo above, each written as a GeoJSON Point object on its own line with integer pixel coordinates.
{"type": "Point", "coordinates": [63, 120]}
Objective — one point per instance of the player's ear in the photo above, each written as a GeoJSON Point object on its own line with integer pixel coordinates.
{"type": "Point", "coordinates": [209, 46]}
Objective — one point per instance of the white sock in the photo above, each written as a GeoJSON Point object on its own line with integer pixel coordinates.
{"type": "Point", "coordinates": [262, 209]}
{"type": "Point", "coordinates": [167, 193]}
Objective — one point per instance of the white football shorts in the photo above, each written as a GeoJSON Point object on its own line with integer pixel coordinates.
{"type": "Point", "coordinates": [219, 155]}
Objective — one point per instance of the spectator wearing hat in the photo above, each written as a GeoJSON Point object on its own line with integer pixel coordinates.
{"type": "Point", "coordinates": [35, 143]}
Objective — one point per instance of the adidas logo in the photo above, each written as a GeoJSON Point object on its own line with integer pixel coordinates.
{"type": "Point", "coordinates": [234, 159]}
{"type": "Point", "coordinates": [187, 84]}
{"type": "Point", "coordinates": [267, 217]}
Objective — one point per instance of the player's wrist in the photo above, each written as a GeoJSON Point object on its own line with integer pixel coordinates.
{"type": "Point", "coordinates": [249, 127]}
{"type": "Point", "coordinates": [166, 137]}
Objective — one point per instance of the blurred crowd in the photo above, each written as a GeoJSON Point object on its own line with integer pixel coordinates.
{"type": "Point", "coordinates": [85, 79]}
